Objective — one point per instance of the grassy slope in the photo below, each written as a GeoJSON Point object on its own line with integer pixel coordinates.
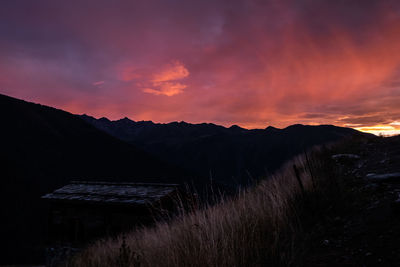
{"type": "Point", "coordinates": [269, 224]}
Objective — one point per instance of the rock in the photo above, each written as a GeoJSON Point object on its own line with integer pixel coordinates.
{"type": "Point", "coordinates": [345, 156]}
{"type": "Point", "coordinates": [386, 177]}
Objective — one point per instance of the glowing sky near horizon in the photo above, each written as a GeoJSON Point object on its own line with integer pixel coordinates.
{"type": "Point", "coordinates": [252, 63]}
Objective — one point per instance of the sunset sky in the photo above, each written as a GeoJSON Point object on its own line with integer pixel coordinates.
{"type": "Point", "coordinates": [252, 63]}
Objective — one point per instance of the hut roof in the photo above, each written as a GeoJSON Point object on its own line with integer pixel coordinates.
{"type": "Point", "coordinates": [118, 193]}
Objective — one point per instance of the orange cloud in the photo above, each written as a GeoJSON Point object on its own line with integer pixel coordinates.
{"type": "Point", "coordinates": [166, 81]}
{"type": "Point", "coordinates": [166, 88]}
{"type": "Point", "coordinates": [173, 71]}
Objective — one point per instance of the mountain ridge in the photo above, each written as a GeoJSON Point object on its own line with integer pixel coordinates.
{"type": "Point", "coordinates": [212, 150]}
{"type": "Point", "coordinates": [231, 127]}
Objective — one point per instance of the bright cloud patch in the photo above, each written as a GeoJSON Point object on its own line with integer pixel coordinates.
{"type": "Point", "coordinates": [173, 71]}
{"type": "Point", "coordinates": [384, 130]}
{"type": "Point", "coordinates": [167, 81]}
{"type": "Point", "coordinates": [166, 88]}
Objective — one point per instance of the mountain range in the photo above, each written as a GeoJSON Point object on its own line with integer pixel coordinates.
{"type": "Point", "coordinates": [232, 156]}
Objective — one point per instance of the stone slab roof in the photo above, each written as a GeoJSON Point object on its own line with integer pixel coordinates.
{"type": "Point", "coordinates": [117, 193]}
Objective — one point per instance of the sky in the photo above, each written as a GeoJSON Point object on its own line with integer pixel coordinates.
{"type": "Point", "coordinates": [252, 63]}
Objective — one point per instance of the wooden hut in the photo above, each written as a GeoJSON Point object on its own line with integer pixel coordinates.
{"type": "Point", "coordinates": [82, 211]}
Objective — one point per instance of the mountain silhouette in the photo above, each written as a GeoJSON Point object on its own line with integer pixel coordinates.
{"type": "Point", "coordinates": [233, 156]}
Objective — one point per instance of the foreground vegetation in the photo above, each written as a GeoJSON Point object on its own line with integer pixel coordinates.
{"type": "Point", "coordinates": [268, 224]}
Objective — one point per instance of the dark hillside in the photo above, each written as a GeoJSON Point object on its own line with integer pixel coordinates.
{"type": "Point", "coordinates": [44, 141]}
{"type": "Point", "coordinates": [366, 231]}
{"type": "Point", "coordinates": [43, 148]}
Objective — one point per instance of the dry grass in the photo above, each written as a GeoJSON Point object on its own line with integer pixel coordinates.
{"type": "Point", "coordinates": [261, 226]}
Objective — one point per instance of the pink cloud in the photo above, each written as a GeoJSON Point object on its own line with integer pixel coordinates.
{"type": "Point", "coordinates": [98, 83]}
{"type": "Point", "coordinates": [171, 72]}
{"type": "Point", "coordinates": [251, 63]}
{"type": "Point", "coordinates": [167, 80]}
{"type": "Point", "coordinates": [166, 88]}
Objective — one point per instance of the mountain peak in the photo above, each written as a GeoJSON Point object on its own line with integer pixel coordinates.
{"type": "Point", "coordinates": [104, 119]}
{"type": "Point", "coordinates": [87, 116]}
{"type": "Point", "coordinates": [125, 120]}
{"type": "Point", "coordinates": [236, 128]}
